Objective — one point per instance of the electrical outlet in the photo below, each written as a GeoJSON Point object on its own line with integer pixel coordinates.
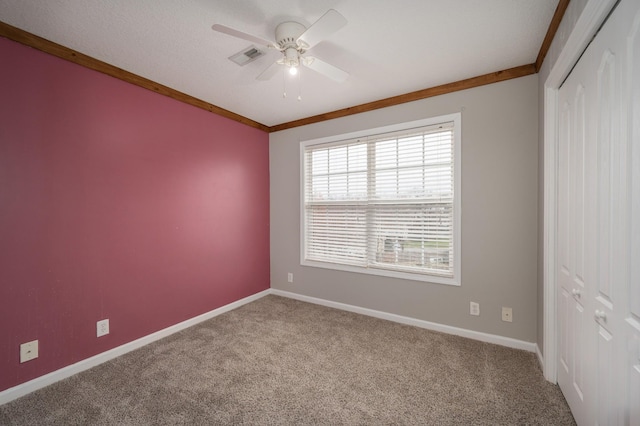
{"type": "Point", "coordinates": [102, 327]}
{"type": "Point", "coordinates": [28, 351]}
{"type": "Point", "coordinates": [507, 314]}
{"type": "Point", "coordinates": [474, 309]}
{"type": "Point", "coordinates": [290, 277]}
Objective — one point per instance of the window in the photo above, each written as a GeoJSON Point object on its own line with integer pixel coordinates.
{"type": "Point", "coordinates": [385, 201]}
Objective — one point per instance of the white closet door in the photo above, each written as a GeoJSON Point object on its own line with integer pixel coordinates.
{"type": "Point", "coordinates": [599, 226]}
{"type": "Point", "coordinates": [628, 315]}
{"type": "Point", "coordinates": [576, 238]}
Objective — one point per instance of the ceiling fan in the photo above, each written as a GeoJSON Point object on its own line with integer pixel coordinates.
{"type": "Point", "coordinates": [293, 40]}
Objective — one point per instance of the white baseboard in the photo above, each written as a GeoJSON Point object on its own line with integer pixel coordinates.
{"type": "Point", "coordinates": [476, 335]}
{"type": "Point", "coordinates": [55, 376]}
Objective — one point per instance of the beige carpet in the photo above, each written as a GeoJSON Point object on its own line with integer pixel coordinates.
{"type": "Point", "coordinates": [280, 361]}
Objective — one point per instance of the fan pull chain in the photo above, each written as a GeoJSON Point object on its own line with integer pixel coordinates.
{"type": "Point", "coordinates": [299, 86]}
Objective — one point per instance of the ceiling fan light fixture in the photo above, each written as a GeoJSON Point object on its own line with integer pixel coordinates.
{"type": "Point", "coordinates": [292, 59]}
{"type": "Point", "coordinates": [291, 56]}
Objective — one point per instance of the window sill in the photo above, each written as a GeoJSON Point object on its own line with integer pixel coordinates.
{"type": "Point", "coordinates": [434, 279]}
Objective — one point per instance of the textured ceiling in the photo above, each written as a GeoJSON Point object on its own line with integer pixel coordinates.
{"type": "Point", "coordinates": [388, 47]}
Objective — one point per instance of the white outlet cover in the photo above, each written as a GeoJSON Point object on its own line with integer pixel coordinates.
{"type": "Point", "coordinates": [102, 327]}
{"type": "Point", "coordinates": [290, 277]}
{"type": "Point", "coordinates": [507, 314]}
{"type": "Point", "coordinates": [474, 308]}
{"type": "Point", "coordinates": [28, 351]}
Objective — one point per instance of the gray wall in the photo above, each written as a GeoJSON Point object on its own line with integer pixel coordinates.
{"type": "Point", "coordinates": [499, 214]}
{"type": "Point", "coordinates": [569, 20]}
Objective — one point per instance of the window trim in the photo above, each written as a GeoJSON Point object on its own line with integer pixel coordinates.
{"type": "Point", "coordinates": [456, 118]}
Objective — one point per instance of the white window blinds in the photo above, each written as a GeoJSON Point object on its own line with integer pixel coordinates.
{"type": "Point", "coordinates": [382, 202]}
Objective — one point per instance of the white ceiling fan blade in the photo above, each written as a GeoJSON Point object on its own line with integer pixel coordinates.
{"type": "Point", "coordinates": [325, 69]}
{"type": "Point", "coordinates": [269, 72]}
{"type": "Point", "coordinates": [239, 34]}
{"type": "Point", "coordinates": [328, 24]}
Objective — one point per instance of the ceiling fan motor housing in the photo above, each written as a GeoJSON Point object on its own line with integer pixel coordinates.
{"type": "Point", "coordinates": [287, 34]}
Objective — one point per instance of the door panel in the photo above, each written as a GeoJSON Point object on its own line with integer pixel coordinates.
{"type": "Point", "coordinates": [578, 177]}
{"type": "Point", "coordinates": [608, 265]}
{"type": "Point", "coordinates": [633, 367]}
{"type": "Point", "coordinates": [578, 350]}
{"type": "Point", "coordinates": [606, 414]}
{"type": "Point", "coordinates": [563, 320]}
{"type": "Point", "coordinates": [574, 274]}
{"type": "Point", "coordinates": [606, 100]}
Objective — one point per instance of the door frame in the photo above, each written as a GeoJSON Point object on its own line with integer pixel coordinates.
{"type": "Point", "coordinates": [593, 15]}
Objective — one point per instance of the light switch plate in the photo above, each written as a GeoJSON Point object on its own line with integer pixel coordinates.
{"type": "Point", "coordinates": [28, 351]}
{"type": "Point", "coordinates": [102, 327]}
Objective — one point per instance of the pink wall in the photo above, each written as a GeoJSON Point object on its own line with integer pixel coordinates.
{"type": "Point", "coordinates": [119, 203]}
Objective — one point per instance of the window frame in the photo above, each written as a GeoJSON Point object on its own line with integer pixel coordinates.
{"type": "Point", "coordinates": [456, 118]}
